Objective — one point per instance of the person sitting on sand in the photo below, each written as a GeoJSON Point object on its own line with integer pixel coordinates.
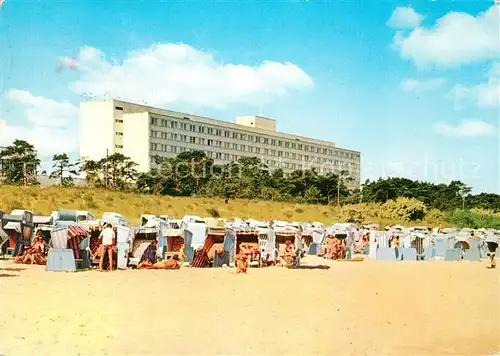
{"type": "Point", "coordinates": [331, 247]}
{"type": "Point", "coordinates": [171, 263]}
{"type": "Point", "coordinates": [440, 228]}
{"type": "Point", "coordinates": [359, 247]}
{"type": "Point", "coordinates": [492, 244]}
{"type": "Point", "coordinates": [289, 255]}
{"type": "Point", "coordinates": [339, 248]}
{"type": "Point", "coordinates": [242, 259]}
{"type": "Point", "coordinates": [35, 254]}
{"type": "Point", "coordinates": [149, 256]}
{"type": "Point", "coordinates": [394, 241]}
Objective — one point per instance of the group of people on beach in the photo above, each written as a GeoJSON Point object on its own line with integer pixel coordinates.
{"type": "Point", "coordinates": [35, 253]}
{"type": "Point", "coordinates": [149, 259]}
{"type": "Point", "coordinates": [334, 249]}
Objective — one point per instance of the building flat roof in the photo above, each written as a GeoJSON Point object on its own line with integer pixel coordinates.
{"type": "Point", "coordinates": [228, 124]}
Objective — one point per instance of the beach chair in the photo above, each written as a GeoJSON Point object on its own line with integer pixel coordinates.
{"type": "Point", "coordinates": [5, 248]}
{"type": "Point", "coordinates": [252, 239]}
{"type": "Point", "coordinates": [85, 259]}
{"type": "Point", "coordinates": [419, 242]}
{"type": "Point", "coordinates": [194, 237]}
{"type": "Point", "coordinates": [453, 254]}
{"type": "Point", "coordinates": [442, 243]}
{"type": "Point", "coordinates": [472, 255]}
{"type": "Point", "coordinates": [175, 242]}
{"type": "Point", "coordinates": [75, 237]}
{"type": "Point", "coordinates": [60, 260]}
{"type": "Point", "coordinates": [408, 253]}
{"type": "Point", "coordinates": [313, 249]}
{"type": "Point", "coordinates": [142, 238]}
{"type": "Point", "coordinates": [214, 244]}
{"type": "Point", "coordinates": [386, 254]}
{"type": "Point", "coordinates": [429, 253]}
{"type": "Point", "coordinates": [483, 249]}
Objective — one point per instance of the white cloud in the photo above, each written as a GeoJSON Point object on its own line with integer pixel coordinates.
{"type": "Point", "coordinates": [51, 125]}
{"type": "Point", "coordinates": [167, 73]}
{"type": "Point", "coordinates": [489, 93]}
{"type": "Point", "coordinates": [486, 95]}
{"type": "Point", "coordinates": [405, 17]}
{"type": "Point", "coordinates": [466, 129]}
{"type": "Point", "coordinates": [456, 38]}
{"type": "Point", "coordinates": [416, 85]}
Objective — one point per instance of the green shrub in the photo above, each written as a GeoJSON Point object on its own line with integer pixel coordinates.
{"type": "Point", "coordinates": [213, 212]}
{"type": "Point", "coordinates": [435, 215]}
{"type": "Point", "coordinates": [406, 209]}
{"type": "Point", "coordinates": [352, 214]}
{"type": "Point", "coordinates": [468, 218]}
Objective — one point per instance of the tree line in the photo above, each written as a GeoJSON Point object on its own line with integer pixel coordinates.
{"type": "Point", "coordinates": [194, 174]}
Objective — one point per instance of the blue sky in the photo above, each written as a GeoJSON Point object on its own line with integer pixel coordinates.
{"type": "Point", "coordinates": [413, 85]}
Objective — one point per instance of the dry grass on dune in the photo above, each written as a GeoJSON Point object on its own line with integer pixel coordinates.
{"type": "Point", "coordinates": [45, 200]}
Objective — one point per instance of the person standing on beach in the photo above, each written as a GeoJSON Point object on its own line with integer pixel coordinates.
{"type": "Point", "coordinates": [492, 244]}
{"type": "Point", "coordinates": [357, 235]}
{"type": "Point", "coordinates": [242, 259]}
{"type": "Point", "coordinates": [108, 238]}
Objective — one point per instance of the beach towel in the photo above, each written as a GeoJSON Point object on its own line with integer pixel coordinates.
{"type": "Point", "coordinates": [149, 254]}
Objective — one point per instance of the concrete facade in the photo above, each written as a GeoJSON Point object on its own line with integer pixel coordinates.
{"type": "Point", "coordinates": [142, 132]}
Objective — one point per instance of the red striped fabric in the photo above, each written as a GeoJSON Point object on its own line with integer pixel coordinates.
{"type": "Point", "coordinates": [174, 244]}
{"type": "Point", "coordinates": [77, 231]}
{"type": "Point", "coordinates": [74, 244]}
{"type": "Point", "coordinates": [200, 259]}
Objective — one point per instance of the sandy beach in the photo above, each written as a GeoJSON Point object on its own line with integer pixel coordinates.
{"type": "Point", "coordinates": [361, 308]}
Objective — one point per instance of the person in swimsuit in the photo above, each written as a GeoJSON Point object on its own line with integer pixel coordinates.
{"type": "Point", "coordinates": [242, 259]}
{"type": "Point", "coordinates": [108, 239]}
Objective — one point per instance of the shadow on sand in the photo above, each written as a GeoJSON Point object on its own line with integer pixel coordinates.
{"type": "Point", "coordinates": [12, 269]}
{"type": "Point", "coordinates": [313, 267]}
{"type": "Point", "coordinates": [2, 275]}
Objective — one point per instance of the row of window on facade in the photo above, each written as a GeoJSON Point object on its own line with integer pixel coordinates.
{"type": "Point", "coordinates": [245, 137]}
{"type": "Point", "coordinates": [160, 147]}
{"type": "Point", "coordinates": [230, 145]}
{"type": "Point", "coordinates": [269, 162]}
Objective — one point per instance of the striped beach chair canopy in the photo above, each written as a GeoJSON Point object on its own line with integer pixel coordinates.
{"type": "Point", "coordinates": [464, 235]}
{"type": "Point", "coordinates": [193, 219]}
{"type": "Point", "coordinates": [307, 231]}
{"type": "Point", "coordinates": [59, 237]}
{"type": "Point", "coordinates": [45, 227]}
{"type": "Point", "coordinates": [253, 223]}
{"type": "Point", "coordinates": [341, 229]}
{"type": "Point", "coordinates": [42, 220]}
{"type": "Point", "coordinates": [372, 227]}
{"type": "Point", "coordinates": [12, 226]}
{"type": "Point", "coordinates": [113, 219]}
{"type": "Point", "coordinates": [145, 230]}
{"type": "Point", "coordinates": [280, 224]}
{"type": "Point", "coordinates": [176, 224]}
{"type": "Point", "coordinates": [174, 232]}
{"type": "Point", "coordinates": [318, 225]}
{"type": "Point", "coordinates": [492, 236]}
{"type": "Point", "coordinates": [76, 230]}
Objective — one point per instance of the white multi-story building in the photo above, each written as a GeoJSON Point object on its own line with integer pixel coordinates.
{"type": "Point", "coordinates": [142, 132]}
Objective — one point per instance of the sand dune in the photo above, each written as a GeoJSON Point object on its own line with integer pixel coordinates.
{"type": "Point", "coordinates": [363, 308]}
